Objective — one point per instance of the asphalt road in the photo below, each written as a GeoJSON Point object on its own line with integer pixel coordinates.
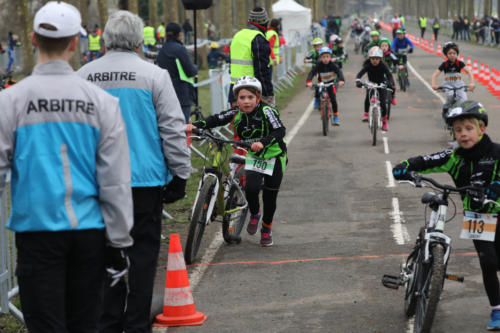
{"type": "Point", "coordinates": [341, 224]}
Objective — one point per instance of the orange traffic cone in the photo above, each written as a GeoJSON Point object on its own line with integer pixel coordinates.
{"type": "Point", "coordinates": [486, 79]}
{"type": "Point", "coordinates": [178, 305]}
{"type": "Point", "coordinates": [475, 70]}
{"type": "Point", "coordinates": [481, 73]}
{"type": "Point", "coordinates": [469, 65]}
{"type": "Point", "coordinates": [431, 48]}
{"type": "Point", "coordinates": [439, 53]}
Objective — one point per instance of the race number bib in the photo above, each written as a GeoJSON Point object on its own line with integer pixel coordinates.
{"type": "Point", "coordinates": [479, 226]}
{"type": "Point", "coordinates": [259, 165]}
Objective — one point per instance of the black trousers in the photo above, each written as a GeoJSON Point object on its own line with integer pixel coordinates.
{"type": "Point", "coordinates": [127, 306]}
{"type": "Point", "coordinates": [60, 277]}
{"type": "Point", "coordinates": [489, 259]}
{"type": "Point", "coordinates": [269, 192]}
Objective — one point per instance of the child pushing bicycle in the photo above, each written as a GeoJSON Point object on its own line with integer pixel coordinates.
{"type": "Point", "coordinates": [474, 162]}
{"type": "Point", "coordinates": [258, 122]}
{"type": "Point", "coordinates": [452, 79]}
{"type": "Point", "coordinates": [327, 72]}
{"type": "Point", "coordinates": [378, 73]}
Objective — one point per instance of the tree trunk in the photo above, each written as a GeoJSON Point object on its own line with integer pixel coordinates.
{"type": "Point", "coordinates": [133, 6]}
{"type": "Point", "coordinates": [26, 24]}
{"type": "Point", "coordinates": [226, 22]}
{"type": "Point", "coordinates": [487, 7]}
{"type": "Point", "coordinates": [103, 13]}
{"type": "Point", "coordinates": [240, 9]}
{"type": "Point", "coordinates": [75, 60]}
{"type": "Point", "coordinates": [153, 14]}
{"type": "Point", "coordinates": [84, 11]}
{"type": "Point", "coordinates": [171, 11]}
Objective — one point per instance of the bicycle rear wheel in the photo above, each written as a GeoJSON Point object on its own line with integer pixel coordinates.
{"type": "Point", "coordinates": [324, 117]}
{"type": "Point", "coordinates": [402, 80]}
{"type": "Point", "coordinates": [374, 126]}
{"type": "Point", "coordinates": [430, 284]}
{"type": "Point", "coordinates": [197, 224]}
{"type": "Point", "coordinates": [233, 222]}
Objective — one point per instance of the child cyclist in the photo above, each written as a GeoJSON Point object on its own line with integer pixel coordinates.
{"type": "Point", "coordinates": [390, 59]}
{"type": "Point", "coordinates": [399, 46]}
{"type": "Point", "coordinates": [378, 73]}
{"type": "Point", "coordinates": [452, 79]}
{"type": "Point", "coordinates": [312, 56]}
{"type": "Point", "coordinates": [327, 72]}
{"type": "Point", "coordinates": [255, 121]}
{"type": "Point", "coordinates": [375, 41]}
{"type": "Point", "coordinates": [474, 162]}
{"type": "Point", "coordinates": [339, 52]}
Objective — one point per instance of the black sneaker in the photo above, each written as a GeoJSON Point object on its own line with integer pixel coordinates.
{"type": "Point", "coordinates": [266, 238]}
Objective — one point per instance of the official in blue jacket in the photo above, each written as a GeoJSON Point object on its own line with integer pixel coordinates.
{"type": "Point", "coordinates": [174, 57]}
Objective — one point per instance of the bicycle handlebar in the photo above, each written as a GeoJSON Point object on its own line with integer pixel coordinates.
{"type": "Point", "coordinates": [207, 134]}
{"type": "Point", "coordinates": [371, 85]}
{"type": "Point", "coordinates": [443, 88]}
{"type": "Point", "coordinates": [322, 84]}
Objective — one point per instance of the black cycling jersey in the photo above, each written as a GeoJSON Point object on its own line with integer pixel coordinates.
{"type": "Point", "coordinates": [326, 72]}
{"type": "Point", "coordinates": [377, 74]}
{"type": "Point", "coordinates": [263, 124]}
{"type": "Point", "coordinates": [451, 67]}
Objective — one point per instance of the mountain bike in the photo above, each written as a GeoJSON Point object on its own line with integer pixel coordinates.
{"type": "Point", "coordinates": [402, 72]}
{"type": "Point", "coordinates": [444, 89]}
{"type": "Point", "coordinates": [220, 193]}
{"type": "Point", "coordinates": [424, 271]}
{"type": "Point", "coordinates": [374, 111]}
{"type": "Point", "coordinates": [325, 105]}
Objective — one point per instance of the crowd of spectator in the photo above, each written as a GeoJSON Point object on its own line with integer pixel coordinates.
{"type": "Point", "coordinates": [485, 30]}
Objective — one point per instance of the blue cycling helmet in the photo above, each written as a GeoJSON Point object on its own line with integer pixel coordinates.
{"type": "Point", "coordinates": [325, 50]}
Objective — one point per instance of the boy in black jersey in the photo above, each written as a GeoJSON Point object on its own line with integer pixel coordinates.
{"type": "Point", "coordinates": [378, 73]}
{"type": "Point", "coordinates": [339, 52]}
{"type": "Point", "coordinates": [452, 79]}
{"type": "Point", "coordinates": [327, 72]}
{"type": "Point", "coordinates": [475, 162]}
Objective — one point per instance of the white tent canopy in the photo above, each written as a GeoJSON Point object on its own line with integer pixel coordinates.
{"type": "Point", "coordinates": [295, 19]}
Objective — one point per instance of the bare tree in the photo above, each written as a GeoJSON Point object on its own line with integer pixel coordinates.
{"type": "Point", "coordinates": [75, 60]}
{"type": "Point", "coordinates": [487, 7]}
{"type": "Point", "coordinates": [84, 11]}
{"type": "Point", "coordinates": [226, 23]}
{"type": "Point", "coordinates": [133, 6]}
{"type": "Point", "coordinates": [25, 22]}
{"type": "Point", "coordinates": [103, 12]}
{"type": "Point", "coordinates": [153, 13]}
{"type": "Point", "coordinates": [170, 11]}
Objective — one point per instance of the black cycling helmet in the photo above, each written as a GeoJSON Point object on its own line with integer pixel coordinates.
{"type": "Point", "coordinates": [338, 40]}
{"type": "Point", "coordinates": [450, 45]}
{"type": "Point", "coordinates": [467, 109]}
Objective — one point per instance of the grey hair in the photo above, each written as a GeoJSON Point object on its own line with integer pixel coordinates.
{"type": "Point", "coordinates": [124, 30]}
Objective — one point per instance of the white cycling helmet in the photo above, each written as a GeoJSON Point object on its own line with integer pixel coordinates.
{"type": "Point", "coordinates": [368, 29]}
{"type": "Point", "coordinates": [375, 52]}
{"type": "Point", "coordinates": [333, 37]}
{"type": "Point", "coordinates": [246, 82]}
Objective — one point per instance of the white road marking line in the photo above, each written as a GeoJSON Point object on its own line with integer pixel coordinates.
{"type": "Point", "coordinates": [425, 82]}
{"type": "Point", "coordinates": [209, 255]}
{"type": "Point", "coordinates": [289, 137]}
{"type": "Point", "coordinates": [390, 178]}
{"type": "Point", "coordinates": [399, 231]}
{"type": "Point", "coordinates": [386, 145]}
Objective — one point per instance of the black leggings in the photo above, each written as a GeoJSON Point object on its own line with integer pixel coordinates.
{"type": "Point", "coordinates": [269, 192]}
{"type": "Point", "coordinates": [489, 259]}
{"type": "Point", "coordinates": [381, 96]}
{"type": "Point", "coordinates": [333, 98]}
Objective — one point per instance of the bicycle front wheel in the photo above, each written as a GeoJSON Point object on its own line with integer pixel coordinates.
{"type": "Point", "coordinates": [235, 213]}
{"type": "Point", "coordinates": [413, 269]}
{"type": "Point", "coordinates": [402, 80]}
{"type": "Point", "coordinates": [374, 126]}
{"type": "Point", "coordinates": [324, 117]}
{"type": "Point", "coordinates": [430, 284]}
{"type": "Point", "coordinates": [197, 224]}
{"type": "Point", "coordinates": [388, 104]}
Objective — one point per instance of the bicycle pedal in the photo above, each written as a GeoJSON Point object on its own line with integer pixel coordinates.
{"type": "Point", "coordinates": [454, 278]}
{"type": "Point", "coordinates": [391, 281]}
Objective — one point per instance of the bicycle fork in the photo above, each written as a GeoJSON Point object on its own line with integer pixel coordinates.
{"type": "Point", "coordinates": [213, 197]}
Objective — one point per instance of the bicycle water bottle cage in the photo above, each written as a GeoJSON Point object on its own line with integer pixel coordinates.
{"type": "Point", "coordinates": [239, 159]}
{"type": "Point", "coordinates": [433, 198]}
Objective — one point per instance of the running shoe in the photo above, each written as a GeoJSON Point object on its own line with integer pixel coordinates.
{"type": "Point", "coordinates": [394, 102]}
{"type": "Point", "coordinates": [494, 324]}
{"type": "Point", "coordinates": [266, 238]}
{"type": "Point", "coordinates": [253, 224]}
{"type": "Point", "coordinates": [365, 117]}
{"type": "Point", "coordinates": [384, 125]}
{"type": "Point", "coordinates": [336, 121]}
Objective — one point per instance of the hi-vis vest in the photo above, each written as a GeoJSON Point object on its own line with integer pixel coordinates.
{"type": "Point", "coordinates": [276, 47]}
{"type": "Point", "coordinates": [423, 22]}
{"type": "Point", "coordinates": [94, 43]}
{"type": "Point", "coordinates": [436, 25]}
{"type": "Point", "coordinates": [241, 53]}
{"type": "Point", "coordinates": [161, 31]}
{"type": "Point", "coordinates": [149, 35]}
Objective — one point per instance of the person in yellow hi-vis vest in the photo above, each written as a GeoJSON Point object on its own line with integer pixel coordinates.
{"type": "Point", "coordinates": [422, 23]}
{"type": "Point", "coordinates": [174, 57]}
{"type": "Point", "coordinates": [160, 33]}
{"type": "Point", "coordinates": [94, 45]}
{"type": "Point", "coordinates": [250, 54]}
{"type": "Point", "coordinates": [274, 42]}
{"type": "Point", "coordinates": [149, 35]}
